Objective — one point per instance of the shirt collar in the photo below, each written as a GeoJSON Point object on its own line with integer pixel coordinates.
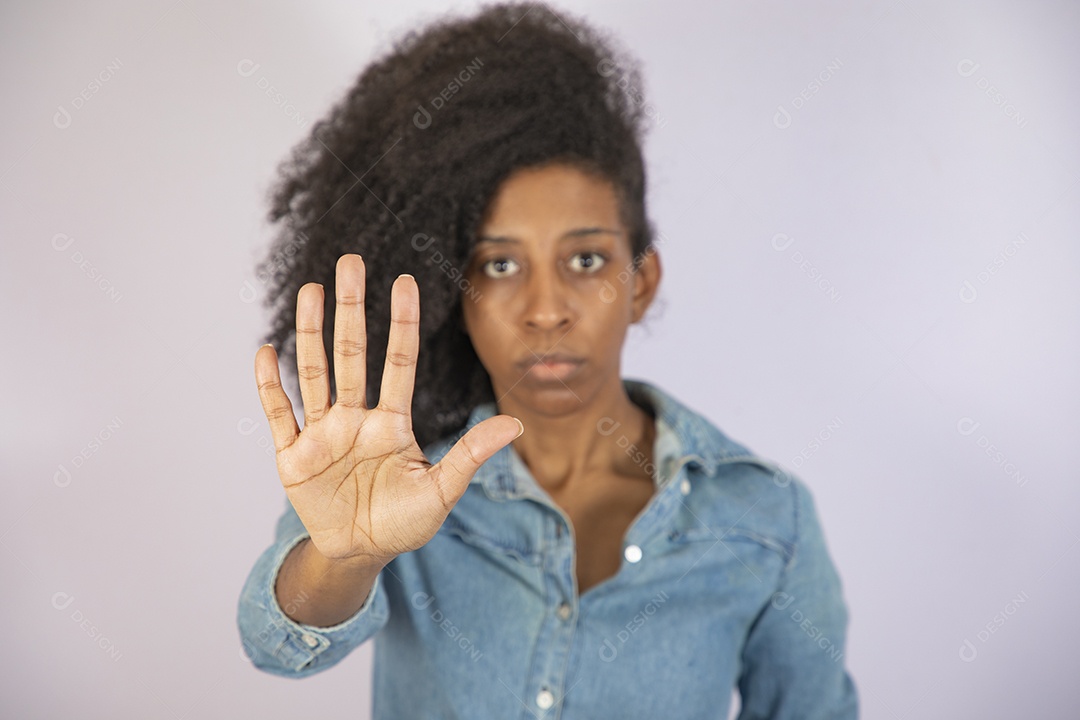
{"type": "Point", "coordinates": [682, 434]}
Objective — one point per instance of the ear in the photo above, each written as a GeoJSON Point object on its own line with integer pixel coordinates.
{"type": "Point", "coordinates": [646, 283]}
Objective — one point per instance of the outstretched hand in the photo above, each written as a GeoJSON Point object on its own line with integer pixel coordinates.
{"type": "Point", "coordinates": [355, 475]}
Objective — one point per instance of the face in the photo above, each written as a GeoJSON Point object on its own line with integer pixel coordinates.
{"type": "Point", "coordinates": [551, 291]}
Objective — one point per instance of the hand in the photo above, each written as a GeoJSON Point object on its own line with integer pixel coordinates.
{"type": "Point", "coordinates": [356, 476]}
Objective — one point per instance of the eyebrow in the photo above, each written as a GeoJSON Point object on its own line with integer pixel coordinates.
{"type": "Point", "coordinates": [577, 232]}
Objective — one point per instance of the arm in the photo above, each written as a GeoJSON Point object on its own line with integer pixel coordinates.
{"type": "Point", "coordinates": [318, 591]}
{"type": "Point", "coordinates": [284, 643]}
{"type": "Point", "coordinates": [348, 475]}
{"type": "Point", "coordinates": [793, 659]}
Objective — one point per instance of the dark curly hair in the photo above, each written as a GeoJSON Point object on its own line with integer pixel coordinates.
{"type": "Point", "coordinates": [402, 169]}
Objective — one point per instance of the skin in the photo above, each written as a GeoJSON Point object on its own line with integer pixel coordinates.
{"type": "Point", "coordinates": [540, 289]}
{"type": "Point", "coordinates": [352, 470]}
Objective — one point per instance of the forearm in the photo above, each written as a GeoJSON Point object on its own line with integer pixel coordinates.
{"type": "Point", "coordinates": [314, 590]}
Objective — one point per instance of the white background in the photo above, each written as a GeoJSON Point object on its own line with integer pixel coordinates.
{"type": "Point", "coordinates": [933, 159]}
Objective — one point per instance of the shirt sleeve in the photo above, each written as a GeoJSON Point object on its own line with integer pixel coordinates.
{"type": "Point", "coordinates": [793, 658]}
{"type": "Point", "coordinates": [277, 644]}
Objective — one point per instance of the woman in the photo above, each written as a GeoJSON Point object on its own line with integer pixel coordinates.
{"type": "Point", "coordinates": [522, 531]}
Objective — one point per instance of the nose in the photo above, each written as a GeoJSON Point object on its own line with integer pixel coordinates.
{"type": "Point", "coordinates": [546, 302]}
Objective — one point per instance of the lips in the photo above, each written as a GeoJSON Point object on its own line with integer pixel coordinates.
{"type": "Point", "coordinates": [551, 366]}
{"type": "Point", "coordinates": [549, 359]}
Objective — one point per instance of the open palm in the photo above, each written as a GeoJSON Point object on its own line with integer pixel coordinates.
{"type": "Point", "coordinates": [355, 475]}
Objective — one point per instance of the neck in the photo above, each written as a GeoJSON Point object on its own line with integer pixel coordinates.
{"type": "Point", "coordinates": [606, 434]}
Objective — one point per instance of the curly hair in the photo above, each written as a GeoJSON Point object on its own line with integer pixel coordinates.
{"type": "Point", "coordinates": [403, 167]}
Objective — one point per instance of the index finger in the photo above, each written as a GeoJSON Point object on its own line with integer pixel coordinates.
{"type": "Point", "coordinates": [276, 404]}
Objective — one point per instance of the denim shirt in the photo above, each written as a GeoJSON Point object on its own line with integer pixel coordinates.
{"type": "Point", "coordinates": [725, 582]}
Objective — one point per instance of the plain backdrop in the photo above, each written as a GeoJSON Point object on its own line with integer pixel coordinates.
{"type": "Point", "coordinates": [870, 214]}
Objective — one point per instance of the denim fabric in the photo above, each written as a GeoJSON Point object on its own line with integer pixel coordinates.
{"type": "Point", "coordinates": [726, 582]}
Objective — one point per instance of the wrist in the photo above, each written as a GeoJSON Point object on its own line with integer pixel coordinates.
{"type": "Point", "coordinates": [357, 565]}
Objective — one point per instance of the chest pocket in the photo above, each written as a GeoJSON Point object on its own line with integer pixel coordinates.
{"type": "Point", "coordinates": [721, 509]}
{"type": "Point", "coordinates": [731, 534]}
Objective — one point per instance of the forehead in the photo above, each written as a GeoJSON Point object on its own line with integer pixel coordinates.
{"type": "Point", "coordinates": [551, 200]}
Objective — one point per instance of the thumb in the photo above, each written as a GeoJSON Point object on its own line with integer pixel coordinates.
{"type": "Point", "coordinates": [461, 462]}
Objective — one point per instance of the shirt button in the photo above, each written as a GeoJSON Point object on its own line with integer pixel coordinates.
{"type": "Point", "coordinates": [632, 553]}
{"type": "Point", "coordinates": [684, 486]}
{"type": "Point", "coordinates": [310, 640]}
{"type": "Point", "coordinates": [544, 699]}
{"type": "Point", "coordinates": [565, 611]}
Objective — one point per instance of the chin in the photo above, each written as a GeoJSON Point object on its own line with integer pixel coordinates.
{"type": "Point", "coordinates": [549, 398]}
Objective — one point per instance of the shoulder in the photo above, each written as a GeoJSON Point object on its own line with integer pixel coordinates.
{"type": "Point", "coordinates": [737, 487]}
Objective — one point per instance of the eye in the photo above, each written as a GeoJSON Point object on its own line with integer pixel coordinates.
{"type": "Point", "coordinates": [499, 267]}
{"type": "Point", "coordinates": [588, 262]}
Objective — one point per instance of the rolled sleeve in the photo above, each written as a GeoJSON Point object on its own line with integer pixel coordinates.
{"type": "Point", "coordinates": [276, 643]}
{"type": "Point", "coordinates": [793, 659]}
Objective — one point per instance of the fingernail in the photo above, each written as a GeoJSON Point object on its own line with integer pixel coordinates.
{"type": "Point", "coordinates": [522, 430]}
{"type": "Point", "coordinates": [406, 275]}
